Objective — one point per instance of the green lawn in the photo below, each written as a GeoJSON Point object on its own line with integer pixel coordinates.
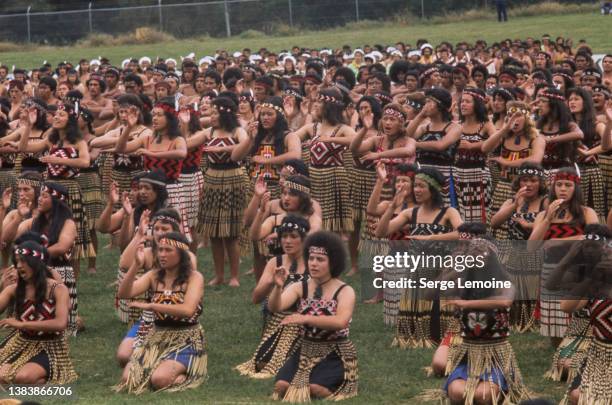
{"type": "Point", "coordinates": [387, 375]}
{"type": "Point", "coordinates": [593, 27]}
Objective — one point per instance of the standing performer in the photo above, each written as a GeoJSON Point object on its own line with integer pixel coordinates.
{"type": "Point", "coordinates": [520, 143]}
{"type": "Point", "coordinates": [329, 138]}
{"type": "Point", "coordinates": [437, 140]}
{"type": "Point", "coordinates": [225, 184]}
{"type": "Point", "coordinates": [324, 362]}
{"type": "Point", "coordinates": [419, 321]}
{"type": "Point", "coordinates": [37, 352]}
{"type": "Point", "coordinates": [470, 171]}
{"type": "Point", "coordinates": [518, 214]}
{"type": "Point", "coordinates": [164, 151]}
{"type": "Point", "coordinates": [68, 153]}
{"type": "Point", "coordinates": [564, 219]}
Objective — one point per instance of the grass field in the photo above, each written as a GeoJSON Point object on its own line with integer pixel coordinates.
{"type": "Point", "coordinates": [232, 324]}
{"type": "Point", "coordinates": [593, 27]}
{"type": "Point", "coordinates": [387, 375]}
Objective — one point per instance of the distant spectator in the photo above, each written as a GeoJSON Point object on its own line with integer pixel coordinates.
{"type": "Point", "coordinates": [502, 13]}
{"type": "Point", "coordinates": [606, 8]}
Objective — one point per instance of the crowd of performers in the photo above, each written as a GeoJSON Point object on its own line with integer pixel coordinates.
{"type": "Point", "coordinates": [288, 159]}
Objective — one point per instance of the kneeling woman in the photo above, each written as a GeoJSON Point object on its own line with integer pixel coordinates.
{"type": "Point", "coordinates": [37, 352]}
{"type": "Point", "coordinates": [173, 355]}
{"type": "Point", "coordinates": [278, 340]}
{"type": "Point", "coordinates": [324, 363]}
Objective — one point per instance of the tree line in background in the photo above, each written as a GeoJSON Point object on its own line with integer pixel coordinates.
{"type": "Point", "coordinates": [195, 20]}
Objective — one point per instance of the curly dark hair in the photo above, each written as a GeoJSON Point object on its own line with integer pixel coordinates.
{"type": "Point", "coordinates": [335, 249]}
{"type": "Point", "coordinates": [374, 106]}
{"type": "Point", "coordinates": [480, 106]}
{"type": "Point", "coordinates": [60, 213]}
{"type": "Point", "coordinates": [172, 123]}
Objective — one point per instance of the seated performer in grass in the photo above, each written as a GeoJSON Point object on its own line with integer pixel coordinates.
{"type": "Point", "coordinates": [37, 351]}
{"type": "Point", "coordinates": [324, 363]}
{"type": "Point", "coordinates": [173, 355]}
{"type": "Point", "coordinates": [278, 340]}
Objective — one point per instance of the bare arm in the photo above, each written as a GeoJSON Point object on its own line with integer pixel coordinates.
{"type": "Point", "coordinates": [193, 297]}
{"type": "Point", "coordinates": [66, 240]}
{"type": "Point", "coordinates": [266, 282]}
{"type": "Point", "coordinates": [240, 151]}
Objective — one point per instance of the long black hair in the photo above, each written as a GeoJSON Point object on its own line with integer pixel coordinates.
{"type": "Point", "coordinates": [184, 266]}
{"type": "Point", "coordinates": [277, 132]}
{"type": "Point", "coordinates": [305, 206]}
{"type": "Point", "coordinates": [73, 133]}
{"type": "Point", "coordinates": [161, 193]}
{"type": "Point", "coordinates": [60, 213]}
{"type": "Point", "coordinates": [374, 106]}
{"type": "Point", "coordinates": [576, 202]}
{"type": "Point", "coordinates": [172, 123]}
{"type": "Point", "coordinates": [587, 121]}
{"type": "Point", "coordinates": [480, 105]}
{"type": "Point", "coordinates": [558, 111]}
{"type": "Point", "coordinates": [39, 277]}
{"type": "Point", "coordinates": [226, 107]}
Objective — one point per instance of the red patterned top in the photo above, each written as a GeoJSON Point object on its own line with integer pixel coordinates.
{"type": "Point", "coordinates": [558, 231]}
{"type": "Point", "coordinates": [222, 157]}
{"type": "Point", "coordinates": [601, 318]}
{"type": "Point", "coordinates": [171, 167]}
{"type": "Point", "coordinates": [62, 171]}
{"type": "Point", "coordinates": [327, 154]}
{"type": "Point", "coordinates": [29, 313]}
{"type": "Point", "coordinates": [320, 307]}
{"type": "Point", "coordinates": [193, 159]}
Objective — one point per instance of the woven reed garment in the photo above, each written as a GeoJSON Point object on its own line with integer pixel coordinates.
{"type": "Point", "coordinates": [21, 347]}
{"type": "Point", "coordinates": [66, 176]}
{"type": "Point", "coordinates": [331, 352]}
{"type": "Point", "coordinates": [192, 180]}
{"type": "Point", "coordinates": [225, 197]}
{"type": "Point", "coordinates": [420, 322]}
{"type": "Point", "coordinates": [169, 337]}
{"type": "Point", "coordinates": [472, 180]}
{"type": "Point", "coordinates": [442, 161]}
{"type": "Point", "coordinates": [553, 321]}
{"type": "Point", "coordinates": [277, 341]}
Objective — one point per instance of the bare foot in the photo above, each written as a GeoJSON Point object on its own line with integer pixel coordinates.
{"type": "Point", "coordinates": [250, 271]}
{"type": "Point", "coordinates": [353, 271]}
{"type": "Point", "coordinates": [180, 379]}
{"type": "Point", "coordinates": [92, 270]}
{"type": "Point", "coordinates": [234, 282]}
{"type": "Point", "coordinates": [80, 324]}
{"type": "Point", "coordinates": [216, 281]}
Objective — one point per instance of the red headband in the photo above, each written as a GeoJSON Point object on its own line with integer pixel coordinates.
{"type": "Point", "coordinates": [166, 108]}
{"type": "Point", "coordinates": [567, 176]}
{"type": "Point", "coordinates": [474, 94]}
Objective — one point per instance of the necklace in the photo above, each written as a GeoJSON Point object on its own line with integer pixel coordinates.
{"type": "Point", "coordinates": [318, 294]}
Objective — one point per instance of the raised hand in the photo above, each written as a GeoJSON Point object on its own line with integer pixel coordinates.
{"type": "Point", "coordinates": [7, 194]}
{"type": "Point", "coordinates": [143, 224]}
{"type": "Point", "coordinates": [260, 187]}
{"type": "Point", "coordinates": [280, 276]}
{"type": "Point", "coordinates": [381, 171]}
{"type": "Point", "coordinates": [114, 193]}
{"type": "Point", "coordinates": [368, 120]}
{"type": "Point", "coordinates": [184, 116]}
{"type": "Point", "coordinates": [125, 203]}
